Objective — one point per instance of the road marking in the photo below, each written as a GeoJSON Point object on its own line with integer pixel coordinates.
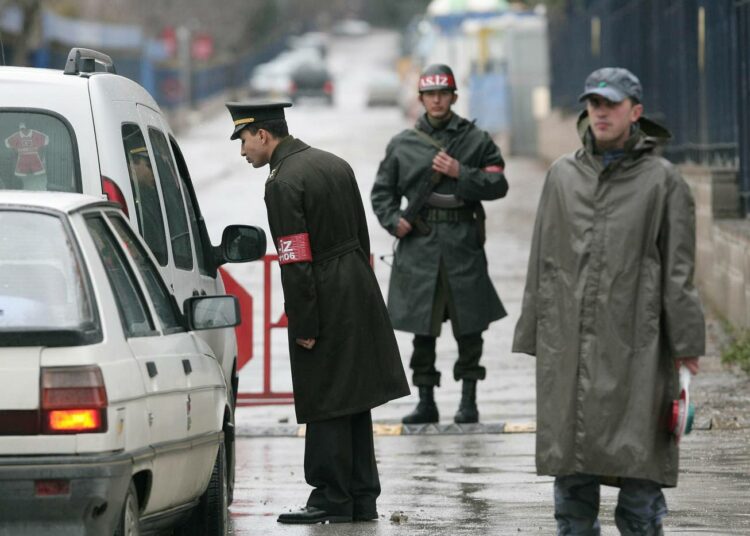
{"type": "Point", "coordinates": [388, 429]}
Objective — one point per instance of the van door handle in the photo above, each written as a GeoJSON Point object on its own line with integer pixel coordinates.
{"type": "Point", "coordinates": [187, 367]}
{"type": "Point", "coordinates": [151, 368]}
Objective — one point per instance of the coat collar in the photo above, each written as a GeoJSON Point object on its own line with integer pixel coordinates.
{"type": "Point", "coordinates": [647, 136]}
{"type": "Point", "coordinates": [287, 147]}
{"type": "Point", "coordinates": [424, 125]}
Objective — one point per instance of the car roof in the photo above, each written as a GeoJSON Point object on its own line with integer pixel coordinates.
{"type": "Point", "coordinates": [37, 81]}
{"type": "Point", "coordinates": [59, 201]}
{"type": "Point", "coordinates": [39, 75]}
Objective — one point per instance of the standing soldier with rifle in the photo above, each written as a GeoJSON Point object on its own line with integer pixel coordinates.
{"type": "Point", "coordinates": [445, 167]}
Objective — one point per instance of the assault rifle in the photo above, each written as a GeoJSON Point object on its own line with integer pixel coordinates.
{"type": "Point", "coordinates": [412, 212]}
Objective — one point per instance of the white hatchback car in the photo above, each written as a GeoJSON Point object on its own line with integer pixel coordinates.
{"type": "Point", "coordinates": [114, 415]}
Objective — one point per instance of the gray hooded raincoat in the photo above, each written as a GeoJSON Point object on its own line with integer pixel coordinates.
{"type": "Point", "coordinates": [609, 305]}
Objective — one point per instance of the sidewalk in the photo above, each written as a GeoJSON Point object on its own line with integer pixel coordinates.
{"type": "Point", "coordinates": [486, 483]}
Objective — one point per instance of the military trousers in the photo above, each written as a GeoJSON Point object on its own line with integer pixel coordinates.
{"type": "Point", "coordinates": [340, 466]}
{"type": "Point", "coordinates": [641, 506]}
{"type": "Point", "coordinates": [466, 367]}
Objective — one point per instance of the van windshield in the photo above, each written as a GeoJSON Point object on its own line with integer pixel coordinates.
{"type": "Point", "coordinates": [37, 152]}
{"type": "Point", "coordinates": [42, 286]}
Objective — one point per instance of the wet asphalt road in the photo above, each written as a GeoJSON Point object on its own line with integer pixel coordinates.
{"type": "Point", "coordinates": [441, 484]}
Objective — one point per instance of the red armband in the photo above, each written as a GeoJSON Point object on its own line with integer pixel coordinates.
{"type": "Point", "coordinates": [493, 169]}
{"type": "Point", "coordinates": [294, 248]}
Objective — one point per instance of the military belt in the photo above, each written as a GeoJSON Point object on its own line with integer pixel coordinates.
{"type": "Point", "coordinates": [448, 215]}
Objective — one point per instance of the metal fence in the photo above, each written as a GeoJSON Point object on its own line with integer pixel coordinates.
{"type": "Point", "coordinates": [691, 56]}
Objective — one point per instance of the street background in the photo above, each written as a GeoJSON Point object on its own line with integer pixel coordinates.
{"type": "Point", "coordinates": [520, 66]}
{"type": "Point", "coordinates": [437, 483]}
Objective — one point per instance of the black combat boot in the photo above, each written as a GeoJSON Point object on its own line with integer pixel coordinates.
{"type": "Point", "coordinates": [467, 409]}
{"type": "Point", "coordinates": [426, 410]}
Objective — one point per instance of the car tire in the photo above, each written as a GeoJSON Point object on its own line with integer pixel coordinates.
{"type": "Point", "coordinates": [211, 516]}
{"type": "Point", "coordinates": [128, 524]}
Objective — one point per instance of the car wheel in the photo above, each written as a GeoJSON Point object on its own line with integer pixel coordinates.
{"type": "Point", "coordinates": [128, 524]}
{"type": "Point", "coordinates": [211, 516]}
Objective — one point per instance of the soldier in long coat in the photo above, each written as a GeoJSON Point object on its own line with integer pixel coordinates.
{"type": "Point", "coordinates": [441, 272]}
{"type": "Point", "coordinates": [609, 310]}
{"type": "Point", "coordinates": [344, 356]}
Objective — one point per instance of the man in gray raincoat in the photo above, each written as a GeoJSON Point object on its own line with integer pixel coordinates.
{"type": "Point", "coordinates": [440, 269]}
{"type": "Point", "coordinates": [610, 312]}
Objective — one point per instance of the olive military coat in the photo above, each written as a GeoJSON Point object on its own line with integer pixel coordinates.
{"type": "Point", "coordinates": [609, 305]}
{"type": "Point", "coordinates": [315, 213]}
{"type": "Point", "coordinates": [458, 245]}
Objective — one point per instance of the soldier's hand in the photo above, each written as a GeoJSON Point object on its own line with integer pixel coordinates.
{"type": "Point", "coordinates": [445, 164]}
{"type": "Point", "coordinates": [403, 228]}
{"type": "Point", "coordinates": [307, 344]}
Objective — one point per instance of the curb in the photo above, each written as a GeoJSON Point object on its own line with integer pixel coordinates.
{"type": "Point", "coordinates": [381, 429]}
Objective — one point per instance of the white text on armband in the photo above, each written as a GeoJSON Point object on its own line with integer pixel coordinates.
{"type": "Point", "coordinates": [294, 248]}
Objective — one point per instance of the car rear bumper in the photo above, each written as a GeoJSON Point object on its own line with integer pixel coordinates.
{"type": "Point", "coordinates": [86, 499]}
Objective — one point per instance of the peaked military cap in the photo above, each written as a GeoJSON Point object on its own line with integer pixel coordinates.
{"type": "Point", "coordinates": [244, 114]}
{"type": "Point", "coordinates": [139, 151]}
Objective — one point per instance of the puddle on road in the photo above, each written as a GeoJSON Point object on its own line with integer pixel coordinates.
{"type": "Point", "coordinates": [469, 470]}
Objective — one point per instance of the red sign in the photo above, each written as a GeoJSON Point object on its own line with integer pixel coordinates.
{"type": "Point", "coordinates": [169, 39]}
{"type": "Point", "coordinates": [202, 47]}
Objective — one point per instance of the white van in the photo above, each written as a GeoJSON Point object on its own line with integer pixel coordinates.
{"type": "Point", "coordinates": [88, 130]}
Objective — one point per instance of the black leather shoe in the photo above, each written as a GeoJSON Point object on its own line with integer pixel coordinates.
{"type": "Point", "coordinates": [366, 516]}
{"type": "Point", "coordinates": [310, 515]}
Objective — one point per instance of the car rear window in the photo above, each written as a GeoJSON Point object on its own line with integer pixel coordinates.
{"type": "Point", "coordinates": [37, 152]}
{"type": "Point", "coordinates": [42, 286]}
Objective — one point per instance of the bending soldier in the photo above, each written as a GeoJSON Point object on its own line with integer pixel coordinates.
{"type": "Point", "coordinates": [445, 167]}
{"type": "Point", "coordinates": [344, 356]}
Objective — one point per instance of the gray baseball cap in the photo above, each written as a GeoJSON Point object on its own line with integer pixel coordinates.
{"type": "Point", "coordinates": [614, 84]}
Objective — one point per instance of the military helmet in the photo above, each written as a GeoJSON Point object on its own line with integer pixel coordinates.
{"type": "Point", "coordinates": [437, 77]}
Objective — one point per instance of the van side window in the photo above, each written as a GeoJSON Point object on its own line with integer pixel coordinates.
{"type": "Point", "coordinates": [200, 235]}
{"type": "Point", "coordinates": [134, 314]}
{"type": "Point", "coordinates": [37, 152]}
{"type": "Point", "coordinates": [160, 296]}
{"type": "Point", "coordinates": [173, 202]}
{"type": "Point", "coordinates": [145, 194]}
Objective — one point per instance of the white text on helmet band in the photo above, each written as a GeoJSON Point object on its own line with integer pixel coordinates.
{"type": "Point", "coordinates": [437, 80]}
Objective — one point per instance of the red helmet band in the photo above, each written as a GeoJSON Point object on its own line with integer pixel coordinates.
{"type": "Point", "coordinates": [432, 82]}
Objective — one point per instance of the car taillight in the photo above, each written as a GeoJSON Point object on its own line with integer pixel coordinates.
{"type": "Point", "coordinates": [50, 488]}
{"type": "Point", "coordinates": [73, 400]}
{"type": "Point", "coordinates": [114, 194]}
{"type": "Point", "coordinates": [292, 87]}
{"type": "Point", "coordinates": [328, 87]}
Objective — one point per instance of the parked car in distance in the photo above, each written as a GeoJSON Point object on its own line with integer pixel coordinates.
{"type": "Point", "coordinates": [114, 417]}
{"type": "Point", "coordinates": [273, 79]}
{"type": "Point", "coordinates": [352, 28]}
{"type": "Point", "coordinates": [311, 81]}
{"type": "Point", "coordinates": [384, 89]}
{"type": "Point", "coordinates": [316, 40]}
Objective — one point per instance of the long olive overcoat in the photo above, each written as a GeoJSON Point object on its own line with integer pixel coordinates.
{"type": "Point", "coordinates": [609, 305]}
{"type": "Point", "coordinates": [414, 276]}
{"type": "Point", "coordinates": [355, 363]}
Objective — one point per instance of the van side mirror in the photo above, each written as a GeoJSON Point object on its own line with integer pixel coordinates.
{"type": "Point", "coordinates": [241, 243]}
{"type": "Point", "coordinates": [212, 312]}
